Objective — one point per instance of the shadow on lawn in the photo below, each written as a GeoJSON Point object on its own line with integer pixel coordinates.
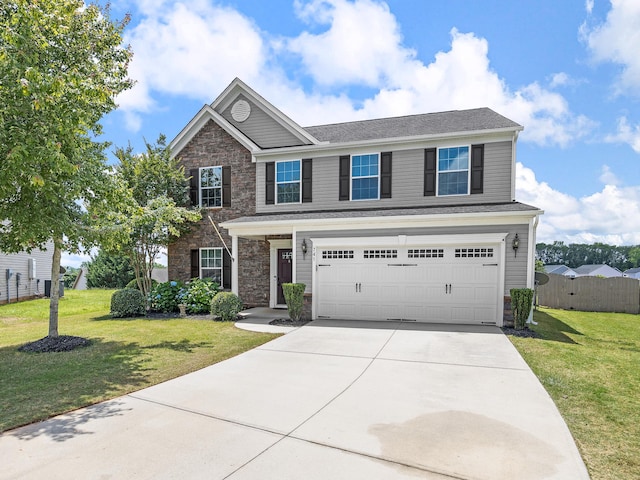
{"type": "Point", "coordinates": [551, 328]}
{"type": "Point", "coordinates": [100, 371]}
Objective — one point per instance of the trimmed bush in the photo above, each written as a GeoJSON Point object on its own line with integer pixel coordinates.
{"type": "Point", "coordinates": [294, 296]}
{"type": "Point", "coordinates": [198, 294]}
{"type": "Point", "coordinates": [127, 303]}
{"type": "Point", "coordinates": [521, 302]}
{"type": "Point", "coordinates": [134, 284]}
{"type": "Point", "coordinates": [164, 296]}
{"type": "Point", "coordinates": [226, 306]}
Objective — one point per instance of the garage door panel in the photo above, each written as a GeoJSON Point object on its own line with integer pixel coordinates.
{"type": "Point", "coordinates": [454, 286]}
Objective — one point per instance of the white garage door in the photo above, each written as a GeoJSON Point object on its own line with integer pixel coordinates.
{"type": "Point", "coordinates": [449, 284]}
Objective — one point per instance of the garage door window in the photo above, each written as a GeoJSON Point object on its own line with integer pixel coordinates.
{"type": "Point", "coordinates": [474, 253]}
{"type": "Point", "coordinates": [425, 253]}
{"type": "Point", "coordinates": [337, 254]}
{"type": "Point", "coordinates": [381, 253]}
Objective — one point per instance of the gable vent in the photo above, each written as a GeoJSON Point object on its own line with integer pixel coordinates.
{"type": "Point", "coordinates": [240, 110]}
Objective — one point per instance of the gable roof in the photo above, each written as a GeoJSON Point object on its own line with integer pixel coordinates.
{"type": "Point", "coordinates": [455, 121]}
{"type": "Point", "coordinates": [632, 270]}
{"type": "Point", "coordinates": [589, 269]}
{"type": "Point", "coordinates": [403, 130]}
{"type": "Point", "coordinates": [557, 269]}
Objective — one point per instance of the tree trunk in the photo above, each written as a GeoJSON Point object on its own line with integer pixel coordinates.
{"type": "Point", "coordinates": [55, 290]}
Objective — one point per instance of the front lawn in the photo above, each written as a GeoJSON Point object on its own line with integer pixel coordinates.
{"type": "Point", "coordinates": [125, 354]}
{"type": "Point", "coordinates": [589, 363]}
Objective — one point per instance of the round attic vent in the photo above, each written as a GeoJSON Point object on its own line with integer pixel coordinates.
{"type": "Point", "coordinates": [241, 110]}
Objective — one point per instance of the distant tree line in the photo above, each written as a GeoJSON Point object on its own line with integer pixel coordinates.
{"type": "Point", "coordinates": [577, 254]}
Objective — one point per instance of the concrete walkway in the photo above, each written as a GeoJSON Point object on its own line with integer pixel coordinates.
{"type": "Point", "coordinates": [330, 400]}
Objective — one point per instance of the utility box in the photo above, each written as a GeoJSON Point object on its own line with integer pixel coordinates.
{"type": "Point", "coordinates": [47, 288]}
{"type": "Point", "coordinates": [31, 269]}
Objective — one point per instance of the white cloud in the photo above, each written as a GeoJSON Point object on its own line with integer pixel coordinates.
{"type": "Point", "coordinates": [610, 216]}
{"type": "Point", "coordinates": [588, 5]}
{"type": "Point", "coordinates": [366, 35]}
{"type": "Point", "coordinates": [195, 51]}
{"type": "Point", "coordinates": [626, 134]}
{"type": "Point", "coordinates": [607, 177]}
{"type": "Point", "coordinates": [616, 40]}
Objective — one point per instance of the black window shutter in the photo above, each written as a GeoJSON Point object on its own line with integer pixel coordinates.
{"type": "Point", "coordinates": [270, 183]}
{"type": "Point", "coordinates": [345, 177]}
{"type": "Point", "coordinates": [385, 175]}
{"type": "Point", "coordinates": [429, 172]}
{"type": "Point", "coordinates": [477, 168]}
{"type": "Point", "coordinates": [226, 186]}
{"type": "Point", "coordinates": [195, 264]}
{"type": "Point", "coordinates": [194, 187]}
{"type": "Point", "coordinates": [307, 170]}
{"type": "Point", "coordinates": [226, 270]}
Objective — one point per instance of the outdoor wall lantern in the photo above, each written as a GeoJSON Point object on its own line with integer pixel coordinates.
{"type": "Point", "coordinates": [304, 247]}
{"type": "Point", "coordinates": [515, 245]}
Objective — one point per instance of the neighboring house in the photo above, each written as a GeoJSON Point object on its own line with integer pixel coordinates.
{"type": "Point", "coordinates": [632, 273]}
{"type": "Point", "coordinates": [160, 274]}
{"type": "Point", "coordinates": [81, 279]}
{"type": "Point", "coordinates": [560, 270]}
{"type": "Point", "coordinates": [410, 218]}
{"type": "Point", "coordinates": [23, 275]}
{"type": "Point", "coordinates": [597, 271]}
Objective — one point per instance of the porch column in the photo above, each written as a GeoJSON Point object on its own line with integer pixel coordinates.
{"type": "Point", "coordinates": [234, 264]}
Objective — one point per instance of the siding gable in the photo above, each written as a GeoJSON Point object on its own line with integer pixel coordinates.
{"type": "Point", "coordinates": [261, 128]}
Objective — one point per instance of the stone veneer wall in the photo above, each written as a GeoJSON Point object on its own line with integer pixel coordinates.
{"type": "Point", "coordinates": [212, 146]}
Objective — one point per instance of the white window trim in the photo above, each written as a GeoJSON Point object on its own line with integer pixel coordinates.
{"type": "Point", "coordinates": [221, 263]}
{"type": "Point", "coordinates": [208, 188]}
{"type": "Point", "coordinates": [452, 171]}
{"type": "Point", "coordinates": [283, 183]}
{"type": "Point", "coordinates": [370, 176]}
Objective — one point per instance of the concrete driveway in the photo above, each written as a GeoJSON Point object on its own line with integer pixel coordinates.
{"type": "Point", "coordinates": [331, 400]}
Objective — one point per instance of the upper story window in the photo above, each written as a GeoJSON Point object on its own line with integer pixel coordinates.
{"type": "Point", "coordinates": [453, 171]}
{"type": "Point", "coordinates": [211, 187]}
{"type": "Point", "coordinates": [288, 178]}
{"type": "Point", "coordinates": [365, 177]}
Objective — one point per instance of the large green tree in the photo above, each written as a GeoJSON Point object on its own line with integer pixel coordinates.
{"type": "Point", "coordinates": [108, 271]}
{"type": "Point", "coordinates": [62, 63]}
{"type": "Point", "coordinates": [150, 210]}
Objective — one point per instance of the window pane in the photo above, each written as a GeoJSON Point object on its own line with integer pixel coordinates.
{"type": "Point", "coordinates": [454, 183]}
{"type": "Point", "coordinates": [365, 188]}
{"type": "Point", "coordinates": [211, 197]}
{"type": "Point", "coordinates": [214, 274]}
{"type": "Point", "coordinates": [455, 158]}
{"type": "Point", "coordinates": [289, 193]}
{"type": "Point", "coordinates": [288, 171]}
{"type": "Point", "coordinates": [211, 177]}
{"type": "Point", "coordinates": [211, 258]}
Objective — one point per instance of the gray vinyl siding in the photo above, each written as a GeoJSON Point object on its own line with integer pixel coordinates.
{"type": "Point", "coordinates": [407, 183]}
{"type": "Point", "coordinates": [515, 268]}
{"type": "Point", "coordinates": [261, 128]}
{"type": "Point", "coordinates": [19, 264]}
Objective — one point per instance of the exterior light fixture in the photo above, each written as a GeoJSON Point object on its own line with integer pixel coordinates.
{"type": "Point", "coordinates": [304, 247]}
{"type": "Point", "coordinates": [515, 244]}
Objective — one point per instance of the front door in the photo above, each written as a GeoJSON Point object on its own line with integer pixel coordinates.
{"type": "Point", "coordinates": [284, 271]}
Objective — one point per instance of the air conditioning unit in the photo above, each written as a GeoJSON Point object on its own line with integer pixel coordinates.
{"type": "Point", "coordinates": [31, 268]}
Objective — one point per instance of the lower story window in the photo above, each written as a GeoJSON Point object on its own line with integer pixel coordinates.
{"type": "Point", "coordinates": [211, 264]}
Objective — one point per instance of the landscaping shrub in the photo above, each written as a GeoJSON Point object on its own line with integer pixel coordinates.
{"type": "Point", "coordinates": [521, 302]}
{"type": "Point", "coordinates": [127, 303]}
{"type": "Point", "coordinates": [226, 306]}
{"type": "Point", "coordinates": [294, 296]}
{"type": "Point", "coordinates": [198, 294]}
{"type": "Point", "coordinates": [164, 296]}
{"type": "Point", "coordinates": [134, 284]}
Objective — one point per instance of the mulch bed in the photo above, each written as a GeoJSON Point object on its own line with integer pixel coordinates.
{"type": "Point", "coordinates": [524, 333]}
{"type": "Point", "coordinates": [287, 322]}
{"type": "Point", "coordinates": [63, 343]}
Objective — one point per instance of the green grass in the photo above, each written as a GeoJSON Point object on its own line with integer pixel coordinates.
{"type": "Point", "coordinates": [589, 362]}
{"type": "Point", "coordinates": [125, 354]}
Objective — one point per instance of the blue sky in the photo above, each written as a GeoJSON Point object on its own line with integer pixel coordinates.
{"type": "Point", "coordinates": [568, 71]}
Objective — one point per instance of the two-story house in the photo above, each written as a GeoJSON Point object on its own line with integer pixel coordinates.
{"type": "Point", "coordinates": [407, 218]}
